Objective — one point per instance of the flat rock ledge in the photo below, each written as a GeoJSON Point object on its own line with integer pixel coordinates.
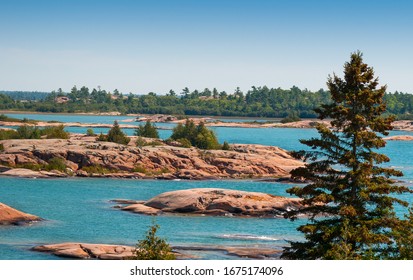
{"type": "Point", "coordinates": [121, 252]}
{"type": "Point", "coordinates": [11, 216]}
{"type": "Point", "coordinates": [213, 202]}
{"type": "Point", "coordinates": [87, 251]}
{"type": "Point", "coordinates": [399, 138]}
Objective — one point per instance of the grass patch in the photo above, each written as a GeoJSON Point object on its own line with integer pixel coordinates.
{"type": "Point", "coordinates": [140, 169]}
{"type": "Point", "coordinates": [140, 142]}
{"type": "Point", "coordinates": [53, 164]}
{"type": "Point", "coordinates": [5, 118]}
{"type": "Point", "coordinates": [56, 163]}
{"type": "Point", "coordinates": [90, 169]}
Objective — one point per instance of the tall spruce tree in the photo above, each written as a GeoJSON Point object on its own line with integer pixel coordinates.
{"type": "Point", "coordinates": [147, 130]}
{"type": "Point", "coordinates": [350, 197]}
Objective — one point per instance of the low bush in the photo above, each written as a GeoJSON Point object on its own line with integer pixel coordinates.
{"type": "Point", "coordinates": [56, 163]}
{"type": "Point", "coordinates": [153, 247]}
{"type": "Point", "coordinates": [292, 117]}
{"type": "Point", "coordinates": [55, 132]}
{"type": "Point", "coordinates": [140, 169]}
{"type": "Point", "coordinates": [8, 134]}
{"type": "Point", "coordinates": [97, 169]}
{"type": "Point", "coordinates": [226, 146]}
{"type": "Point", "coordinates": [90, 132]}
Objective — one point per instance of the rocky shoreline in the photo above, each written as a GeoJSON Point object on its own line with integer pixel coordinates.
{"type": "Point", "coordinates": [11, 216]}
{"type": "Point", "coordinates": [402, 125]}
{"type": "Point", "coordinates": [120, 252]}
{"type": "Point", "coordinates": [83, 156]}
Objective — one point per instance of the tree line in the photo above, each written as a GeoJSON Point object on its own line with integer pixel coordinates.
{"type": "Point", "coordinates": [256, 102]}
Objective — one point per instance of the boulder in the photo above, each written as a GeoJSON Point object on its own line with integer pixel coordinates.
{"type": "Point", "coordinates": [87, 251]}
{"type": "Point", "coordinates": [216, 202]}
{"type": "Point", "coordinates": [11, 216]}
{"type": "Point", "coordinates": [24, 173]}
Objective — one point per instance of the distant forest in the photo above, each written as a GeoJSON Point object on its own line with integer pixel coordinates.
{"type": "Point", "coordinates": [26, 95]}
{"type": "Point", "coordinates": [256, 102]}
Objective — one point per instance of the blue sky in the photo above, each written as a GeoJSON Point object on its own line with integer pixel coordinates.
{"type": "Point", "coordinates": [142, 46]}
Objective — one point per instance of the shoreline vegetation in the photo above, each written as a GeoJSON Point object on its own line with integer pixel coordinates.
{"type": "Point", "coordinates": [260, 101]}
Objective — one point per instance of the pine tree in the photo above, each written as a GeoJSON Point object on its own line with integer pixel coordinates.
{"type": "Point", "coordinates": [197, 135]}
{"type": "Point", "coordinates": [115, 134]}
{"type": "Point", "coordinates": [147, 130]}
{"type": "Point", "coordinates": [351, 196]}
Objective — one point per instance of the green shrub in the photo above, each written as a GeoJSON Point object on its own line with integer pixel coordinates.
{"type": "Point", "coordinates": [1, 147]}
{"type": "Point", "coordinates": [226, 146]}
{"type": "Point", "coordinates": [5, 118]}
{"type": "Point", "coordinates": [31, 166]}
{"type": "Point", "coordinates": [96, 169]}
{"type": "Point", "coordinates": [90, 132]}
{"type": "Point", "coordinates": [185, 142]}
{"type": "Point", "coordinates": [28, 132]}
{"type": "Point", "coordinates": [56, 163]}
{"type": "Point", "coordinates": [292, 117]}
{"type": "Point", "coordinates": [101, 137]}
{"type": "Point", "coordinates": [165, 170]}
{"type": "Point", "coordinates": [147, 130]}
{"type": "Point", "coordinates": [140, 142]}
{"type": "Point", "coordinates": [55, 132]}
{"type": "Point", "coordinates": [153, 247]}
{"type": "Point", "coordinates": [139, 168]}
{"type": "Point", "coordinates": [8, 134]}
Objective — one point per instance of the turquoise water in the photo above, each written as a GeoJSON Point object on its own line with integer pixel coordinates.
{"type": "Point", "coordinates": [78, 209]}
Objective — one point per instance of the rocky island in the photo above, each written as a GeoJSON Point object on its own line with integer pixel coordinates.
{"type": "Point", "coordinates": [213, 202]}
{"type": "Point", "coordinates": [11, 216]}
{"type": "Point", "coordinates": [120, 252]}
{"type": "Point", "coordinates": [82, 155]}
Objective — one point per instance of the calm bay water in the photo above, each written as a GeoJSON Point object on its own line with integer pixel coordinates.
{"type": "Point", "coordinates": [79, 210]}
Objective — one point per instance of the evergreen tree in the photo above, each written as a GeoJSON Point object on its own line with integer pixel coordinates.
{"type": "Point", "coordinates": [205, 138]}
{"type": "Point", "coordinates": [197, 135]}
{"type": "Point", "coordinates": [116, 135]}
{"type": "Point", "coordinates": [147, 130]}
{"type": "Point", "coordinates": [351, 196]}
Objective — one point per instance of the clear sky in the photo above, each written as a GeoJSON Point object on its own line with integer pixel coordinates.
{"type": "Point", "coordinates": [141, 46]}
